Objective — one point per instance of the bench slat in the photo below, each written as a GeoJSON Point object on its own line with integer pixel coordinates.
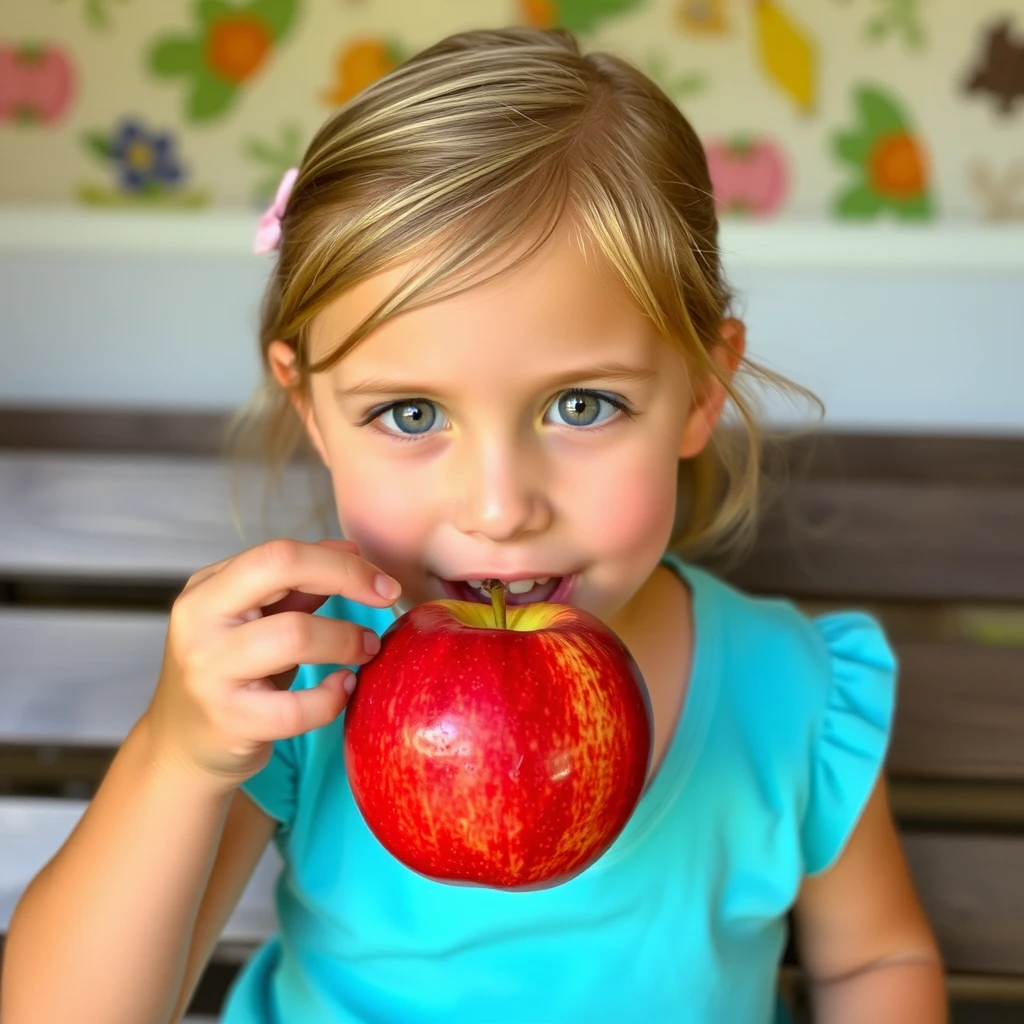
{"type": "Point", "coordinates": [133, 517]}
{"type": "Point", "coordinates": [891, 540]}
{"type": "Point", "coordinates": [972, 886]}
{"type": "Point", "coordinates": [84, 677]}
{"type": "Point", "coordinates": [33, 829]}
{"type": "Point", "coordinates": [973, 890]}
{"type": "Point", "coordinates": [76, 677]}
{"type": "Point", "coordinates": [162, 517]}
{"type": "Point", "coordinates": [960, 712]}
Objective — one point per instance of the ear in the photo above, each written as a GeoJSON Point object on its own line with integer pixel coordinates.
{"type": "Point", "coordinates": [727, 356]}
{"type": "Point", "coordinates": [282, 361]}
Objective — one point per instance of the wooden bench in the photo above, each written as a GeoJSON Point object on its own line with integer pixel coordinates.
{"type": "Point", "coordinates": [103, 515]}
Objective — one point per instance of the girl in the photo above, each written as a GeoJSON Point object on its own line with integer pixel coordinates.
{"type": "Point", "coordinates": [498, 315]}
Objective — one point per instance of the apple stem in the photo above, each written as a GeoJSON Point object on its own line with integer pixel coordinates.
{"type": "Point", "coordinates": [497, 591]}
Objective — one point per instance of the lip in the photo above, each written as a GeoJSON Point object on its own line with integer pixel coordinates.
{"type": "Point", "coordinates": [560, 595]}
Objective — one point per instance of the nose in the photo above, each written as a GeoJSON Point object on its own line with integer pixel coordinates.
{"type": "Point", "coordinates": [499, 493]}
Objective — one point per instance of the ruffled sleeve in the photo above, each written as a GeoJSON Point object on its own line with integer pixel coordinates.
{"type": "Point", "coordinates": [853, 736]}
{"type": "Point", "coordinates": [275, 786]}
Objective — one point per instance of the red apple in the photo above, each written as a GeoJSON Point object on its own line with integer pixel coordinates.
{"type": "Point", "coordinates": [37, 83]}
{"type": "Point", "coordinates": [505, 757]}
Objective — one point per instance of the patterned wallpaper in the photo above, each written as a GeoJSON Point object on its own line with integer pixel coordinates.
{"type": "Point", "coordinates": [888, 109]}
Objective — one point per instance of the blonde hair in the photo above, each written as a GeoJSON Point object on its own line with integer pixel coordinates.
{"type": "Point", "coordinates": [483, 140]}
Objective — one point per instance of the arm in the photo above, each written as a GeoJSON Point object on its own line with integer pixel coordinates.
{"type": "Point", "coordinates": [862, 934]}
{"type": "Point", "coordinates": [102, 932]}
{"type": "Point", "coordinates": [246, 834]}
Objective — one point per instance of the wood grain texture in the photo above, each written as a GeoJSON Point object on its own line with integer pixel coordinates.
{"type": "Point", "coordinates": [973, 890]}
{"type": "Point", "coordinates": [960, 712]}
{"type": "Point", "coordinates": [84, 676]}
{"type": "Point", "coordinates": [862, 540]}
{"type": "Point", "coordinates": [972, 886]}
{"type": "Point", "coordinates": [33, 830]}
{"type": "Point", "coordinates": [76, 677]}
{"type": "Point", "coordinates": [133, 517]}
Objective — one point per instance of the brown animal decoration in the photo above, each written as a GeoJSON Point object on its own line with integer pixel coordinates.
{"type": "Point", "coordinates": [1000, 70]}
{"type": "Point", "coordinates": [1001, 194]}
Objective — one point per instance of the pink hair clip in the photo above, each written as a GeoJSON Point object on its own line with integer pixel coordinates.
{"type": "Point", "coordinates": [268, 234]}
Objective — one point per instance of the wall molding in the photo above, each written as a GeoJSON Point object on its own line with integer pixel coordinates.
{"type": "Point", "coordinates": [784, 244]}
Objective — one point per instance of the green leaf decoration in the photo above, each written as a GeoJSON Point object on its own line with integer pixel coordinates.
{"type": "Point", "coordinates": [210, 97]}
{"type": "Point", "coordinates": [278, 14]}
{"type": "Point", "coordinates": [585, 15]}
{"type": "Point", "coordinates": [879, 111]}
{"type": "Point", "coordinates": [176, 55]}
{"type": "Point", "coordinates": [208, 11]}
{"type": "Point", "coordinates": [99, 145]}
{"type": "Point", "coordinates": [858, 203]}
{"type": "Point", "coordinates": [853, 147]}
{"type": "Point", "coordinates": [919, 208]}
{"type": "Point", "coordinates": [257, 149]}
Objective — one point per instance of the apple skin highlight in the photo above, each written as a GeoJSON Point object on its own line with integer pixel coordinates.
{"type": "Point", "coordinates": [509, 758]}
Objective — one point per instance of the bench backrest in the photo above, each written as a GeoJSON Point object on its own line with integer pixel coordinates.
{"type": "Point", "coordinates": [104, 515]}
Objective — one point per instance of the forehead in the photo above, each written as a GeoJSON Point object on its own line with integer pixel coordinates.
{"type": "Point", "coordinates": [565, 305]}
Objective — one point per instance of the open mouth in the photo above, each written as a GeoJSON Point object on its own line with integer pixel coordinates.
{"type": "Point", "coordinates": [545, 588]}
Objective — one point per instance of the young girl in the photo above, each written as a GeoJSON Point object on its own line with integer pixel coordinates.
{"type": "Point", "coordinates": [499, 316]}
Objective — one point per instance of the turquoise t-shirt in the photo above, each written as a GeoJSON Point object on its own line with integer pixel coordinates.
{"type": "Point", "coordinates": [781, 739]}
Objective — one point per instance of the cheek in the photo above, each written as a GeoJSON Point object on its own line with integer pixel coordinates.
{"type": "Point", "coordinates": [376, 511]}
{"type": "Point", "coordinates": [629, 503]}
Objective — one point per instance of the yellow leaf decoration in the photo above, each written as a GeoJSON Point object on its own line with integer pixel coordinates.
{"type": "Point", "coordinates": [787, 53]}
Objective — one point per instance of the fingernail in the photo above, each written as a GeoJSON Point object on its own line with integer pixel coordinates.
{"type": "Point", "coordinates": [348, 682]}
{"type": "Point", "coordinates": [371, 642]}
{"type": "Point", "coordinates": [387, 587]}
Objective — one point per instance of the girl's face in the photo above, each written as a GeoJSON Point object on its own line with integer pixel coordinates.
{"type": "Point", "coordinates": [526, 429]}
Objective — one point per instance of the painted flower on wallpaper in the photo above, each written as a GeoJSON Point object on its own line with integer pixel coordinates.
{"type": "Point", "coordinates": [891, 171]}
{"type": "Point", "coordinates": [897, 17]}
{"type": "Point", "coordinates": [146, 168]}
{"type": "Point", "coordinates": [360, 63]}
{"type": "Point", "coordinates": [273, 159]}
{"type": "Point", "coordinates": [999, 70]}
{"type": "Point", "coordinates": [677, 86]}
{"type": "Point", "coordinates": [704, 16]}
{"type": "Point", "coordinates": [748, 175]}
{"type": "Point", "coordinates": [788, 53]}
{"type": "Point", "coordinates": [97, 12]}
{"type": "Point", "coordinates": [575, 15]}
{"type": "Point", "coordinates": [37, 84]}
{"type": "Point", "coordinates": [229, 47]}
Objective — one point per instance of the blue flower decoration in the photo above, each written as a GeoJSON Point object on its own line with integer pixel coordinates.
{"type": "Point", "coordinates": [146, 161]}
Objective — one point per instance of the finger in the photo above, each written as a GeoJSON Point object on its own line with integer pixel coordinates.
{"type": "Point", "coordinates": [276, 644]}
{"type": "Point", "coordinates": [200, 575]}
{"type": "Point", "coordinates": [268, 715]}
{"type": "Point", "coordinates": [265, 574]}
{"type": "Point", "coordinates": [295, 601]}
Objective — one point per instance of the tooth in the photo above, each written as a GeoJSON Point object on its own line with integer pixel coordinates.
{"type": "Point", "coordinates": [521, 586]}
{"type": "Point", "coordinates": [541, 580]}
{"type": "Point", "coordinates": [475, 583]}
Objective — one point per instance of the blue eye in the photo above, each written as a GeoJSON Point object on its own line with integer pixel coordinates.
{"type": "Point", "coordinates": [584, 408]}
{"type": "Point", "coordinates": [411, 417]}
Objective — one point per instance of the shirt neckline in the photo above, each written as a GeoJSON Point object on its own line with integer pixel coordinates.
{"type": "Point", "coordinates": [691, 729]}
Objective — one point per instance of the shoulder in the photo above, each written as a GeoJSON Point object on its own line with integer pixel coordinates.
{"type": "Point", "coordinates": [782, 652]}
{"type": "Point", "coordinates": [810, 698]}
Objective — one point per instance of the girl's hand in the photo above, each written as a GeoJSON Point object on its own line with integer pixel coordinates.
{"type": "Point", "coordinates": [237, 633]}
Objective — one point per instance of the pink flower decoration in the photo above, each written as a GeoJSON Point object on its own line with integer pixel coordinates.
{"type": "Point", "coordinates": [268, 234]}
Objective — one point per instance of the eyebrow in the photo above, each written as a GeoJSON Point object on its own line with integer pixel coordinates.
{"type": "Point", "coordinates": [601, 371]}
